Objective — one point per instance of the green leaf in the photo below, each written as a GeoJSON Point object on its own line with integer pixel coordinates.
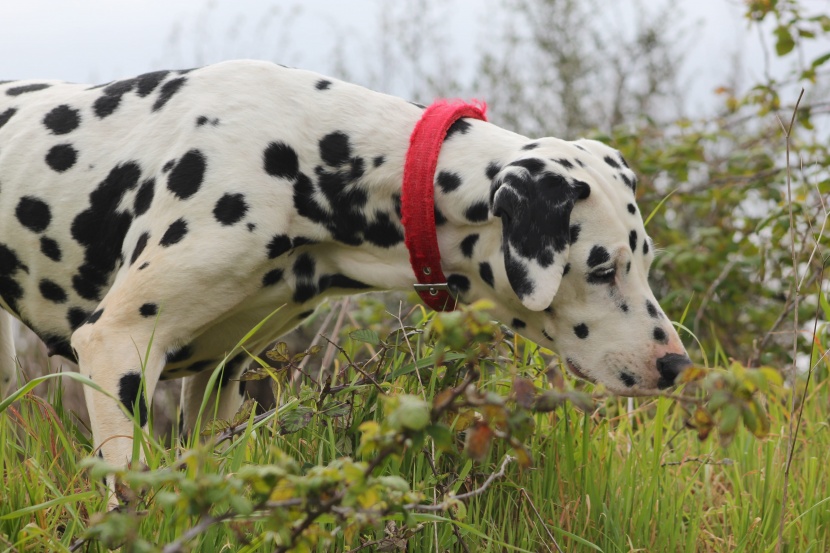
{"type": "Point", "coordinates": [279, 353]}
{"type": "Point", "coordinates": [336, 409]}
{"type": "Point", "coordinates": [784, 42]}
{"type": "Point", "coordinates": [365, 335]}
{"type": "Point", "coordinates": [442, 436]}
{"type": "Point", "coordinates": [411, 412]}
{"type": "Point", "coordinates": [296, 420]}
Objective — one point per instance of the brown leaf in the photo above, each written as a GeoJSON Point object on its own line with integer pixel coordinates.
{"type": "Point", "coordinates": [478, 441]}
{"type": "Point", "coordinates": [279, 353]}
{"type": "Point", "coordinates": [524, 392]}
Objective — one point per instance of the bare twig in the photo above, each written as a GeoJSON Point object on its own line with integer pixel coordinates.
{"type": "Point", "coordinates": [444, 505]}
{"type": "Point", "coordinates": [791, 377]}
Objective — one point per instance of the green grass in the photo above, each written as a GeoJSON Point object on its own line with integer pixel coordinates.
{"type": "Point", "coordinates": [600, 481]}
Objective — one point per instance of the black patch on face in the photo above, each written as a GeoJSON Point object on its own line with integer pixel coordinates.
{"type": "Point", "coordinates": [518, 323]}
{"type": "Point", "coordinates": [486, 273]}
{"type": "Point", "coordinates": [439, 217]}
{"type": "Point", "coordinates": [335, 149]}
{"type": "Point", "coordinates": [627, 379]}
{"type": "Point", "coordinates": [652, 310]}
{"type": "Point", "coordinates": [458, 284]}
{"type": "Point", "coordinates": [564, 163]}
{"type": "Point", "coordinates": [272, 277]}
{"type": "Point", "coordinates": [174, 233]}
{"type": "Point", "coordinates": [631, 209]}
{"type": "Point", "coordinates": [624, 307]}
{"type": "Point", "coordinates": [95, 316]}
{"type": "Point", "coordinates": [62, 119]}
{"type": "Point", "coordinates": [278, 245]}
{"type": "Point", "coordinates": [322, 84]}
{"type": "Point", "coordinates": [460, 126]}
{"type": "Point", "coordinates": [230, 209]}
{"type": "Point", "coordinates": [378, 161]}
{"type": "Point", "coordinates": [632, 240]}
{"type": "Point", "coordinates": [148, 310]}
{"type": "Point", "coordinates": [168, 89]}
{"type": "Point", "coordinates": [6, 115]}
{"type": "Point", "coordinates": [567, 269]}
{"type": "Point", "coordinates": [143, 265]}
{"type": "Point", "coordinates": [477, 212]}
{"type": "Point", "coordinates": [186, 177]}
{"type": "Point", "coordinates": [140, 244]}
{"type": "Point", "coordinates": [280, 160]}
{"type": "Point", "coordinates": [645, 246]}
{"type": "Point", "coordinates": [530, 146]}
{"type": "Point", "coordinates": [179, 355]}
{"type": "Point", "coordinates": [129, 392]}
{"type": "Point", "coordinates": [76, 317]}
{"type": "Point", "coordinates": [101, 229]}
{"type": "Point", "coordinates": [573, 233]}
{"type": "Point", "coordinates": [611, 161]}
{"type": "Point", "coordinates": [546, 335]}
{"type": "Point", "coordinates": [50, 248]}
{"type": "Point", "coordinates": [628, 267]}
{"type": "Point", "coordinates": [660, 335]}
{"type": "Point", "coordinates": [598, 256]}
{"type": "Point", "coordinates": [201, 120]}
{"type": "Point", "coordinates": [52, 291]}
{"type": "Point", "coordinates": [492, 170]}
{"type": "Point", "coordinates": [448, 181]}
{"type": "Point", "coordinates": [581, 331]}
{"type": "Point", "coordinates": [533, 165]}
{"type": "Point", "coordinates": [18, 90]}
{"type": "Point", "coordinates": [144, 197]}
{"type": "Point", "coordinates": [33, 213]}
{"type": "Point", "coordinates": [61, 157]}
{"type": "Point", "coordinates": [468, 244]}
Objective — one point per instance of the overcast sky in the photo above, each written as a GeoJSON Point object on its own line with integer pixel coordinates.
{"type": "Point", "coordinates": [101, 40]}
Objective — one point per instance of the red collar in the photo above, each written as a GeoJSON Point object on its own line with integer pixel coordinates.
{"type": "Point", "coordinates": [418, 202]}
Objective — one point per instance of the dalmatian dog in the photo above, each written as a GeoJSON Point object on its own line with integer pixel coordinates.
{"type": "Point", "coordinates": [146, 225]}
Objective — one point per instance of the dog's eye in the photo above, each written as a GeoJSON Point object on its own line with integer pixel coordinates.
{"type": "Point", "coordinates": [603, 275]}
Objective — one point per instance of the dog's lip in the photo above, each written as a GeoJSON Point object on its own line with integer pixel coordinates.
{"type": "Point", "coordinates": [574, 368]}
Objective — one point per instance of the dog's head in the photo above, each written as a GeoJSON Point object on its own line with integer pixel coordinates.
{"type": "Point", "coordinates": [577, 256]}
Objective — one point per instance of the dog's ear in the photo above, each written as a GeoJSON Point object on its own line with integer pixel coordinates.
{"type": "Point", "coordinates": [535, 210]}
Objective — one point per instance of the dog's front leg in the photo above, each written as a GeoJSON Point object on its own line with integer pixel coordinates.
{"type": "Point", "coordinates": [114, 359]}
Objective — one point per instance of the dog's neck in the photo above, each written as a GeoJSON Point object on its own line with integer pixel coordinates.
{"type": "Point", "coordinates": [470, 157]}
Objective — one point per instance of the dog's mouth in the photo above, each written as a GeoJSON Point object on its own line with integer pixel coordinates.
{"type": "Point", "coordinates": [574, 368]}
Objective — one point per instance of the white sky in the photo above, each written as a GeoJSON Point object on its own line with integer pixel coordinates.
{"type": "Point", "coordinates": [101, 40]}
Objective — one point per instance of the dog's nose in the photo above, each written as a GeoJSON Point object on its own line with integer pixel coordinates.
{"type": "Point", "coordinates": [669, 366]}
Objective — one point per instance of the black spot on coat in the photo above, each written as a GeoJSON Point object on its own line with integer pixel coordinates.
{"type": "Point", "coordinates": [52, 291]}
{"type": "Point", "coordinates": [280, 160]}
{"type": "Point", "coordinates": [33, 213]}
{"type": "Point", "coordinates": [230, 209]}
{"type": "Point", "coordinates": [6, 115]}
{"type": "Point", "coordinates": [50, 248]}
{"type": "Point", "coordinates": [148, 310]}
{"type": "Point", "coordinates": [168, 89]}
{"type": "Point", "coordinates": [129, 392]}
{"type": "Point", "coordinates": [101, 229]}
{"type": "Point", "coordinates": [62, 119]}
{"type": "Point", "coordinates": [186, 177]}
{"type": "Point", "coordinates": [468, 244]}
{"type": "Point", "coordinates": [174, 233]}
{"type": "Point", "coordinates": [61, 157]}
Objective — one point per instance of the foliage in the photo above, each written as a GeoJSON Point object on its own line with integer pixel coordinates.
{"type": "Point", "coordinates": [411, 439]}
